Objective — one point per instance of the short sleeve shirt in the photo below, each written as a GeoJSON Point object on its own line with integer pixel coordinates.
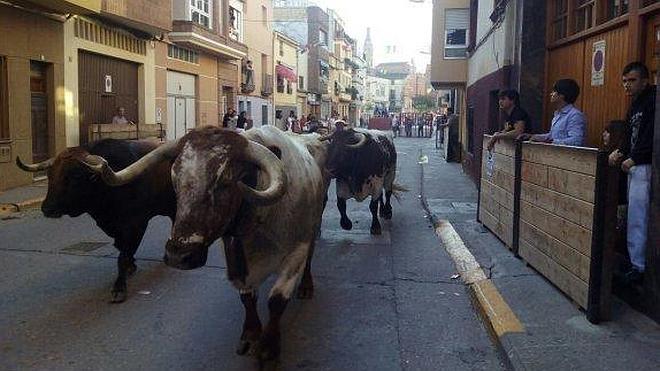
{"type": "Point", "coordinates": [518, 114]}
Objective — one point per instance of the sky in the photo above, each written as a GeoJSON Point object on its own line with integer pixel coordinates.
{"type": "Point", "coordinates": [400, 23]}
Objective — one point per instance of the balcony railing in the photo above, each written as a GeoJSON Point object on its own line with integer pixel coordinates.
{"type": "Point", "coordinates": [247, 88]}
{"type": "Point", "coordinates": [267, 85]}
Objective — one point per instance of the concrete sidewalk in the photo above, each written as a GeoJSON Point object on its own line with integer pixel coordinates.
{"type": "Point", "coordinates": [556, 334]}
{"type": "Point", "coordinates": [23, 198]}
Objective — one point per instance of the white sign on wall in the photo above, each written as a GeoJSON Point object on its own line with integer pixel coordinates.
{"type": "Point", "coordinates": [598, 64]}
{"type": "Point", "coordinates": [108, 83]}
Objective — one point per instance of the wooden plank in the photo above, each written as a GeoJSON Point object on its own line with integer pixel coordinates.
{"type": "Point", "coordinates": [496, 226]}
{"type": "Point", "coordinates": [570, 233]}
{"type": "Point", "coordinates": [501, 196]}
{"type": "Point", "coordinates": [506, 147]}
{"type": "Point", "coordinates": [555, 273]}
{"type": "Point", "coordinates": [535, 173]}
{"type": "Point", "coordinates": [571, 183]}
{"type": "Point", "coordinates": [565, 206]}
{"type": "Point", "coordinates": [564, 255]}
{"type": "Point", "coordinates": [578, 159]}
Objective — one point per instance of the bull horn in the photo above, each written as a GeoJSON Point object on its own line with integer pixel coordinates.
{"type": "Point", "coordinates": [362, 140]}
{"type": "Point", "coordinates": [33, 168]}
{"type": "Point", "coordinates": [115, 179]}
{"type": "Point", "coordinates": [265, 160]}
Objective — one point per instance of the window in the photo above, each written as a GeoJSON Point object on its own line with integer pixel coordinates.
{"type": "Point", "coordinates": [200, 12]}
{"type": "Point", "coordinates": [584, 15]}
{"type": "Point", "coordinates": [185, 55]}
{"type": "Point", "coordinates": [456, 33]}
{"type": "Point", "coordinates": [281, 48]}
{"type": "Point", "coordinates": [301, 83]}
{"type": "Point", "coordinates": [264, 16]}
{"type": "Point", "coordinates": [236, 15]}
{"type": "Point", "coordinates": [4, 100]}
{"type": "Point", "coordinates": [280, 84]}
{"type": "Point", "coordinates": [289, 87]}
{"type": "Point", "coordinates": [560, 20]}
{"type": "Point", "coordinates": [323, 37]}
{"type": "Point", "coordinates": [616, 8]}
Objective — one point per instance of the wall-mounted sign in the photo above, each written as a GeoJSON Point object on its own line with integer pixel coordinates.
{"type": "Point", "coordinates": [159, 115]}
{"type": "Point", "coordinates": [598, 64]}
{"type": "Point", "coordinates": [108, 83]}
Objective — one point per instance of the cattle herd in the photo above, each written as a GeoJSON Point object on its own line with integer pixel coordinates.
{"type": "Point", "coordinates": [246, 189]}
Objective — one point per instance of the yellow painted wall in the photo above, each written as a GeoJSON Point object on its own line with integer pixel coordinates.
{"type": "Point", "coordinates": [288, 59]}
{"type": "Point", "coordinates": [259, 40]}
{"type": "Point", "coordinates": [26, 37]}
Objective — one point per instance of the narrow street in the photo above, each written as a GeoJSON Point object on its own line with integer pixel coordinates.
{"type": "Point", "coordinates": [381, 303]}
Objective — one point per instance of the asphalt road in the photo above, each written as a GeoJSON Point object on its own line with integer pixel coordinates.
{"type": "Point", "coordinates": [381, 303]}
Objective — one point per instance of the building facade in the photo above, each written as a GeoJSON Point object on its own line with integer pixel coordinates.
{"type": "Point", "coordinates": [257, 69]}
{"type": "Point", "coordinates": [286, 75]}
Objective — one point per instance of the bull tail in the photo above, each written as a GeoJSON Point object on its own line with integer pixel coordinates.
{"type": "Point", "coordinates": [398, 190]}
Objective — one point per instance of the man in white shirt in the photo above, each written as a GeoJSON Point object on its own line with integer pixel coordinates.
{"type": "Point", "coordinates": [120, 117]}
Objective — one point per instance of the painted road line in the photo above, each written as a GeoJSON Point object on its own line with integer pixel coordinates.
{"type": "Point", "coordinates": [492, 306]}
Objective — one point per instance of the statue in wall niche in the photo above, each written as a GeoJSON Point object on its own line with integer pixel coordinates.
{"type": "Point", "coordinates": [247, 76]}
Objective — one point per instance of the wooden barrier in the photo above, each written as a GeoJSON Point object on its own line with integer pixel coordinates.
{"type": "Point", "coordinates": [496, 196]}
{"type": "Point", "coordinates": [555, 206]}
{"type": "Point", "coordinates": [124, 131]}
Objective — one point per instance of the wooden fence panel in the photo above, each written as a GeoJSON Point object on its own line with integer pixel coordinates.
{"type": "Point", "coordinates": [497, 201]}
{"type": "Point", "coordinates": [558, 185]}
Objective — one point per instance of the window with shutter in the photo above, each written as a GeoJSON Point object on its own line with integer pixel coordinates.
{"type": "Point", "coordinates": [457, 24]}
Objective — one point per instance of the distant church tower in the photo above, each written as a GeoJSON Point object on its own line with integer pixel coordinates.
{"type": "Point", "coordinates": [369, 50]}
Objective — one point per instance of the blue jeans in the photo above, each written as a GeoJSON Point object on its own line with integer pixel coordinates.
{"type": "Point", "coordinates": [639, 200]}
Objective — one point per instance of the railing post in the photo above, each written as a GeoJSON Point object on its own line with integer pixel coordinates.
{"type": "Point", "coordinates": [606, 199]}
{"type": "Point", "coordinates": [517, 186]}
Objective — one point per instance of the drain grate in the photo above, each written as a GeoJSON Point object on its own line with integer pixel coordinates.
{"type": "Point", "coordinates": [84, 246]}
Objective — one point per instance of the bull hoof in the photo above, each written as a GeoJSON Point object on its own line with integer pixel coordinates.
{"type": "Point", "coordinates": [346, 224]}
{"type": "Point", "coordinates": [269, 348]}
{"type": "Point", "coordinates": [248, 343]}
{"type": "Point", "coordinates": [118, 296]}
{"type": "Point", "coordinates": [376, 230]}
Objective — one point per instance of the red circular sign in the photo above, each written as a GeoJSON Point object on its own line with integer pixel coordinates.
{"type": "Point", "coordinates": [598, 61]}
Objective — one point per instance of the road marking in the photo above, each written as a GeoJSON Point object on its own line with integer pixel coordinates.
{"type": "Point", "coordinates": [488, 299]}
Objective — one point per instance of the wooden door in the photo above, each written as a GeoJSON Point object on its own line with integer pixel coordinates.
{"type": "Point", "coordinates": [105, 84]}
{"type": "Point", "coordinates": [39, 111]}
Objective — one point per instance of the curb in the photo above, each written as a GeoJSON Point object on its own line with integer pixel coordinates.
{"type": "Point", "coordinates": [496, 314]}
{"type": "Point", "coordinates": [10, 208]}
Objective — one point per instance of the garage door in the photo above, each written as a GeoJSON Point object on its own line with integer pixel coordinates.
{"type": "Point", "coordinates": [104, 84]}
{"type": "Point", "coordinates": [180, 104]}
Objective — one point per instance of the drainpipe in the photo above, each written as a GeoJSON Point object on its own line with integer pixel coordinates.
{"type": "Point", "coordinates": [518, 44]}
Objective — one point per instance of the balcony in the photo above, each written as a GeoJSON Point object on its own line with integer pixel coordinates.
{"type": "Point", "coordinates": [151, 16]}
{"type": "Point", "coordinates": [194, 36]}
{"type": "Point", "coordinates": [267, 85]}
{"type": "Point", "coordinates": [64, 7]}
{"type": "Point", "coordinates": [247, 88]}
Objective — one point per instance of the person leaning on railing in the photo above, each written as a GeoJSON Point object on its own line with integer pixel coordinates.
{"type": "Point", "coordinates": [569, 123]}
{"type": "Point", "coordinates": [517, 120]}
{"type": "Point", "coordinates": [634, 157]}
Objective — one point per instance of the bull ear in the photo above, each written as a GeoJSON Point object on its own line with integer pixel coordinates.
{"type": "Point", "coordinates": [276, 150]}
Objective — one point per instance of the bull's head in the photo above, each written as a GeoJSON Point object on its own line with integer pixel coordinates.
{"type": "Point", "coordinates": [214, 171]}
{"type": "Point", "coordinates": [70, 182]}
{"type": "Point", "coordinates": [343, 152]}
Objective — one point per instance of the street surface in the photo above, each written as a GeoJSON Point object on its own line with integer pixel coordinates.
{"type": "Point", "coordinates": [381, 303]}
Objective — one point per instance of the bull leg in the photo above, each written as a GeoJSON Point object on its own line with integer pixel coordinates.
{"type": "Point", "coordinates": [127, 243]}
{"type": "Point", "coordinates": [292, 267]}
{"type": "Point", "coordinates": [345, 222]}
{"type": "Point", "coordinates": [306, 286]}
{"type": "Point", "coordinates": [251, 325]}
{"type": "Point", "coordinates": [386, 209]}
{"type": "Point", "coordinates": [375, 223]}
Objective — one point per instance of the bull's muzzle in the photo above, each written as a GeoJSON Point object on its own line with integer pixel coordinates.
{"type": "Point", "coordinates": [190, 256]}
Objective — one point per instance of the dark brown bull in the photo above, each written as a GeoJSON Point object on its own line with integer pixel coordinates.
{"type": "Point", "coordinates": [122, 212]}
{"type": "Point", "coordinates": [363, 162]}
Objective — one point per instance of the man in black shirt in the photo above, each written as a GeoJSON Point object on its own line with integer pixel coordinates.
{"type": "Point", "coordinates": [637, 152]}
{"type": "Point", "coordinates": [516, 119]}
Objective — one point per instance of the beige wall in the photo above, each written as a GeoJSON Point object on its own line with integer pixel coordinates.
{"type": "Point", "coordinates": [146, 79]}
{"type": "Point", "coordinates": [289, 59]}
{"type": "Point", "coordinates": [259, 40]}
{"type": "Point", "coordinates": [27, 37]}
{"type": "Point", "coordinates": [446, 71]}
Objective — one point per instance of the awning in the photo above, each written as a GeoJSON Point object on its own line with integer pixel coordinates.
{"type": "Point", "coordinates": [286, 73]}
